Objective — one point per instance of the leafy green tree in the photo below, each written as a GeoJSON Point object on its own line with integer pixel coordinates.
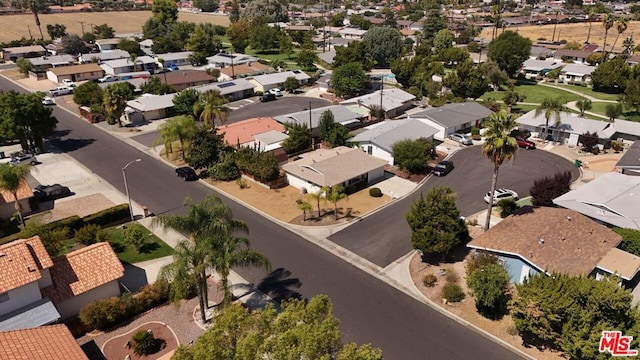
{"type": "Point", "coordinates": [412, 155]}
{"type": "Point", "coordinates": [326, 124]}
{"type": "Point", "coordinates": [185, 100]}
{"type": "Point", "coordinates": [494, 75]}
{"type": "Point", "coordinates": [613, 111]}
{"type": "Point", "coordinates": [382, 44]}
{"type": "Point", "coordinates": [130, 46]}
{"type": "Point", "coordinates": [551, 107]}
{"type": "Point", "coordinates": [205, 149]}
{"type": "Point", "coordinates": [585, 105]}
{"type": "Point", "coordinates": [264, 38]}
{"type": "Point", "coordinates": [24, 65]}
{"type": "Point", "coordinates": [630, 240]}
{"type": "Point", "coordinates": [511, 98]}
{"type": "Point", "coordinates": [338, 135]}
{"type": "Point", "coordinates": [489, 285]}
{"type": "Point", "coordinates": [115, 97]}
{"type": "Point", "coordinates": [498, 146]}
{"type": "Point", "coordinates": [239, 33]}
{"type": "Point", "coordinates": [206, 5]}
{"type": "Point", "coordinates": [359, 21]}
{"type": "Point", "coordinates": [291, 84]}
{"type": "Point", "coordinates": [56, 31]}
{"type": "Point", "coordinates": [164, 11]}
{"type": "Point", "coordinates": [443, 40]}
{"type": "Point", "coordinates": [453, 55]}
{"type": "Point", "coordinates": [306, 58]}
{"type": "Point", "coordinates": [261, 165]}
{"type": "Point", "coordinates": [12, 178]}
{"type": "Point", "coordinates": [134, 235]}
{"type": "Point", "coordinates": [204, 41]}
{"type": "Point", "coordinates": [234, 13]}
{"type": "Point", "coordinates": [265, 10]}
{"type": "Point", "coordinates": [631, 95]}
{"type": "Point", "coordinates": [87, 94]}
{"type": "Point", "coordinates": [546, 189]}
{"type": "Point", "coordinates": [285, 45]}
{"type": "Point", "coordinates": [155, 86]}
{"type": "Point", "coordinates": [611, 76]}
{"type": "Point", "coordinates": [299, 138]}
{"type": "Point", "coordinates": [433, 23]}
{"type": "Point", "coordinates": [89, 38]}
{"type": "Point", "coordinates": [348, 80]}
{"type": "Point", "coordinates": [436, 226]}
{"type": "Point", "coordinates": [509, 51]}
{"type": "Point", "coordinates": [104, 31]}
{"type": "Point", "coordinates": [178, 128]}
{"type": "Point", "coordinates": [353, 52]}
{"type": "Point", "coordinates": [23, 117]}
{"type": "Point", "coordinates": [211, 106]}
{"type": "Point", "coordinates": [466, 81]}
{"type": "Point", "coordinates": [73, 44]}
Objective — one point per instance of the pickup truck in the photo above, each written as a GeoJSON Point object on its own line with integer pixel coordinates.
{"type": "Point", "coordinates": [61, 90]}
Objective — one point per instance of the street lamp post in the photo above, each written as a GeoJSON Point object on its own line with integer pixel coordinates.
{"type": "Point", "coordinates": [126, 187]}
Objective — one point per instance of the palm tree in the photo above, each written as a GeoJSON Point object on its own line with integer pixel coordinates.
{"type": "Point", "coordinates": [499, 146]}
{"type": "Point", "coordinates": [335, 194]}
{"type": "Point", "coordinates": [212, 106]}
{"type": "Point", "coordinates": [628, 46]}
{"type": "Point", "coordinates": [496, 17]}
{"type": "Point", "coordinates": [555, 25]}
{"type": "Point", "coordinates": [34, 6]}
{"type": "Point", "coordinates": [11, 179]}
{"type": "Point", "coordinates": [377, 112]}
{"type": "Point", "coordinates": [591, 12]}
{"type": "Point", "coordinates": [115, 98]}
{"type": "Point", "coordinates": [608, 22]}
{"type": "Point", "coordinates": [306, 207]}
{"type": "Point", "coordinates": [551, 107]}
{"type": "Point", "coordinates": [621, 26]}
{"type": "Point", "coordinates": [317, 196]}
{"type": "Point", "coordinates": [167, 136]}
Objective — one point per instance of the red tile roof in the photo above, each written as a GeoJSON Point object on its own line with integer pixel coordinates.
{"type": "Point", "coordinates": [83, 270]}
{"type": "Point", "coordinates": [21, 262]}
{"type": "Point", "coordinates": [53, 342]}
{"type": "Point", "coordinates": [243, 131]}
{"type": "Point", "coordinates": [24, 192]}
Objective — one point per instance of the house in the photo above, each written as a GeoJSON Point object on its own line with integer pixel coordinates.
{"type": "Point", "coordinates": [105, 56]}
{"type": "Point", "coordinates": [230, 90]}
{"type": "Point", "coordinates": [105, 45]}
{"type": "Point", "coordinates": [14, 53]}
{"type": "Point", "coordinates": [149, 107]}
{"type": "Point", "coordinates": [577, 72]}
{"type": "Point", "coordinates": [146, 45]}
{"type": "Point", "coordinates": [7, 203]}
{"type": "Point", "coordinates": [609, 199]}
{"type": "Point", "coordinates": [182, 79]}
{"type": "Point", "coordinates": [352, 33]}
{"type": "Point", "coordinates": [263, 133]}
{"type": "Point", "coordinates": [532, 68]}
{"type": "Point", "coordinates": [394, 101]}
{"type": "Point", "coordinates": [52, 342]}
{"type": "Point", "coordinates": [378, 139]}
{"type": "Point", "coordinates": [539, 53]}
{"type": "Point", "coordinates": [577, 56]}
{"type": "Point", "coordinates": [266, 82]}
{"type": "Point", "coordinates": [328, 56]}
{"type": "Point", "coordinates": [324, 82]}
{"type": "Point", "coordinates": [43, 63]}
{"type": "Point", "coordinates": [75, 73]}
{"type": "Point", "coordinates": [221, 60]}
{"type": "Point", "coordinates": [452, 118]}
{"type": "Point", "coordinates": [128, 65]}
{"type": "Point", "coordinates": [173, 60]}
{"type": "Point", "coordinates": [629, 163]}
{"type": "Point", "coordinates": [82, 277]}
{"type": "Point", "coordinates": [554, 240]}
{"type": "Point", "coordinates": [311, 118]}
{"type": "Point", "coordinates": [340, 166]}
{"type": "Point", "coordinates": [243, 71]}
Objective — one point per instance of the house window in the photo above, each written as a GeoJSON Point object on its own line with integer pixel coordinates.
{"type": "Point", "coordinates": [4, 297]}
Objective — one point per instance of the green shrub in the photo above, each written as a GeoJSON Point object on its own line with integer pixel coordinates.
{"type": "Point", "coordinates": [375, 192]}
{"type": "Point", "coordinates": [595, 150]}
{"type": "Point", "coordinates": [475, 131]}
{"type": "Point", "coordinates": [135, 235]}
{"type": "Point", "coordinates": [630, 240]}
{"type": "Point", "coordinates": [507, 207]}
{"type": "Point", "coordinates": [153, 294]}
{"type": "Point", "coordinates": [479, 259]}
{"type": "Point", "coordinates": [183, 289]}
{"type": "Point", "coordinates": [224, 171]}
{"type": "Point", "coordinates": [112, 215]}
{"type": "Point", "coordinates": [429, 280]}
{"type": "Point", "coordinates": [143, 343]}
{"type": "Point", "coordinates": [87, 234]}
{"type": "Point", "coordinates": [452, 292]}
{"type": "Point", "coordinates": [242, 183]}
{"type": "Point", "coordinates": [106, 313]}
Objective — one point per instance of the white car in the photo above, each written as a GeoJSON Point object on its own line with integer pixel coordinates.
{"type": "Point", "coordinates": [68, 82]}
{"type": "Point", "coordinates": [48, 101]}
{"type": "Point", "coordinates": [108, 78]}
{"type": "Point", "coordinates": [276, 92]}
{"type": "Point", "coordinates": [61, 90]}
{"type": "Point", "coordinates": [461, 138]}
{"type": "Point", "coordinates": [501, 194]}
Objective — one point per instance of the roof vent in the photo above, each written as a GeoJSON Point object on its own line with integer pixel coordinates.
{"type": "Point", "coordinates": [541, 241]}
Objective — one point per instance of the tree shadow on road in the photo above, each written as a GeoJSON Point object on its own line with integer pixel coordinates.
{"type": "Point", "coordinates": [69, 145]}
{"type": "Point", "coordinates": [278, 285]}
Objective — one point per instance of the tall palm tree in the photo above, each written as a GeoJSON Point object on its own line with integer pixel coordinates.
{"type": "Point", "coordinates": [115, 98]}
{"type": "Point", "coordinates": [306, 207]}
{"type": "Point", "coordinates": [551, 107]}
{"type": "Point", "coordinates": [608, 22]}
{"type": "Point", "coordinates": [34, 6]}
{"type": "Point", "coordinates": [317, 196]}
{"type": "Point", "coordinates": [211, 107]}
{"type": "Point", "coordinates": [335, 194]}
{"type": "Point", "coordinates": [496, 17]}
{"type": "Point", "coordinates": [11, 179]}
{"type": "Point", "coordinates": [628, 45]}
{"type": "Point", "coordinates": [498, 146]}
{"type": "Point", "coordinates": [621, 26]}
{"type": "Point", "coordinates": [591, 12]}
{"type": "Point", "coordinates": [167, 136]}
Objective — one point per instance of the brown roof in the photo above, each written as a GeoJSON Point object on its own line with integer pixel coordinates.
{"type": "Point", "coordinates": [551, 239]}
{"type": "Point", "coordinates": [76, 69]}
{"type": "Point", "coordinates": [185, 77]}
{"type": "Point", "coordinates": [573, 53]}
{"type": "Point", "coordinates": [24, 192]}
{"type": "Point", "coordinates": [53, 342]}
{"type": "Point", "coordinates": [21, 262]}
{"type": "Point", "coordinates": [83, 270]}
{"type": "Point", "coordinates": [243, 131]}
{"type": "Point", "coordinates": [245, 69]}
{"type": "Point", "coordinates": [620, 262]}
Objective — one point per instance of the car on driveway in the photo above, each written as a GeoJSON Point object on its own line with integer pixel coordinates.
{"type": "Point", "coordinates": [524, 143]}
{"type": "Point", "coordinates": [276, 92]}
{"type": "Point", "coordinates": [186, 173]}
{"type": "Point", "coordinates": [108, 78]}
{"type": "Point", "coordinates": [50, 192]}
{"type": "Point", "coordinates": [443, 168]}
{"type": "Point", "coordinates": [501, 194]}
{"type": "Point", "coordinates": [48, 101]}
{"type": "Point", "coordinates": [61, 90]}
{"type": "Point", "coordinates": [23, 159]}
{"type": "Point", "coordinates": [267, 97]}
{"type": "Point", "coordinates": [461, 138]}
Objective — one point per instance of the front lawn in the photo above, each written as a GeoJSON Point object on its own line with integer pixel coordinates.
{"type": "Point", "coordinates": [154, 247]}
{"type": "Point", "coordinates": [534, 93]}
{"type": "Point", "coordinates": [600, 108]}
{"type": "Point", "coordinates": [589, 91]}
{"type": "Point", "coordinates": [276, 55]}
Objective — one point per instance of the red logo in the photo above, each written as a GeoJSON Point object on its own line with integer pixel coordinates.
{"type": "Point", "coordinates": [616, 344]}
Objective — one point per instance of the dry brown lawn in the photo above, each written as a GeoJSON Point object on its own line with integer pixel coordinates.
{"type": "Point", "coordinates": [120, 21]}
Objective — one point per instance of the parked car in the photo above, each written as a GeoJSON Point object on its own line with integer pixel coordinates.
{"type": "Point", "coordinates": [186, 173]}
{"type": "Point", "coordinates": [50, 192]}
{"type": "Point", "coordinates": [68, 83]}
{"type": "Point", "coordinates": [524, 143]}
{"type": "Point", "coordinates": [48, 101]}
{"type": "Point", "coordinates": [23, 159]}
{"type": "Point", "coordinates": [501, 194]}
{"type": "Point", "coordinates": [443, 168]}
{"type": "Point", "coordinates": [61, 90]}
{"type": "Point", "coordinates": [276, 92]}
{"type": "Point", "coordinates": [267, 97]}
{"type": "Point", "coordinates": [108, 78]}
{"type": "Point", "coordinates": [461, 138]}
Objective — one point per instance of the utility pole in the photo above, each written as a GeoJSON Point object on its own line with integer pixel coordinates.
{"type": "Point", "coordinates": [324, 29]}
{"type": "Point", "coordinates": [30, 36]}
{"type": "Point", "coordinates": [313, 145]}
{"type": "Point", "coordinates": [381, 91]}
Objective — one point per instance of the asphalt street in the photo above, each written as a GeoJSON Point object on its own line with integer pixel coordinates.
{"type": "Point", "coordinates": [370, 311]}
{"type": "Point", "coordinates": [385, 236]}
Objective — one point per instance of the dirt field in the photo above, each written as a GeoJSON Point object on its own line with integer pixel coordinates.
{"type": "Point", "coordinates": [572, 32]}
{"type": "Point", "coordinates": [120, 21]}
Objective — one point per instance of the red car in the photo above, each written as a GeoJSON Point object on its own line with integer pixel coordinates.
{"type": "Point", "coordinates": [524, 143]}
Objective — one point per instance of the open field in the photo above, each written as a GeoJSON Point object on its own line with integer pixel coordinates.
{"type": "Point", "coordinates": [572, 32]}
{"type": "Point", "coordinates": [16, 26]}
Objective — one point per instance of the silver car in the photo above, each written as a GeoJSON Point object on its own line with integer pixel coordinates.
{"type": "Point", "coordinates": [501, 194]}
{"type": "Point", "coordinates": [461, 138]}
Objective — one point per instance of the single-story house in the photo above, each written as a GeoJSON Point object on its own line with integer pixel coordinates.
{"type": "Point", "coordinates": [394, 101]}
{"type": "Point", "coordinates": [609, 199]}
{"type": "Point", "coordinates": [452, 118]}
{"type": "Point", "coordinates": [266, 82]}
{"type": "Point", "coordinates": [328, 56]}
{"type": "Point", "coordinates": [149, 107]}
{"type": "Point", "coordinates": [44, 63]}
{"type": "Point", "coordinates": [263, 133]}
{"type": "Point", "coordinates": [104, 56]}
{"type": "Point", "coordinates": [55, 48]}
{"type": "Point", "coordinates": [341, 114]}
{"type": "Point", "coordinates": [75, 73]}
{"type": "Point", "coordinates": [378, 139]}
{"type": "Point", "coordinates": [324, 83]}
{"type": "Point", "coordinates": [84, 276]}
{"type": "Point", "coordinates": [105, 45]}
{"type": "Point", "coordinates": [230, 90]}
{"type": "Point", "coordinates": [171, 60]}
{"type": "Point", "coordinates": [7, 203]}
{"type": "Point", "coordinates": [121, 66]}
{"type": "Point", "coordinates": [577, 56]}
{"type": "Point", "coordinates": [14, 53]}
{"type": "Point", "coordinates": [340, 166]}
{"type": "Point", "coordinates": [146, 45]}
{"type": "Point", "coordinates": [554, 240]}
{"type": "Point", "coordinates": [531, 68]}
{"type": "Point", "coordinates": [352, 33]}
{"type": "Point", "coordinates": [539, 53]}
{"type": "Point", "coordinates": [50, 342]}
{"type": "Point", "coordinates": [221, 60]}
{"type": "Point", "coordinates": [571, 126]}
{"type": "Point", "coordinates": [26, 267]}
{"type": "Point", "coordinates": [577, 72]}
{"type": "Point", "coordinates": [182, 79]}
{"type": "Point", "coordinates": [242, 71]}
{"type": "Point", "coordinates": [629, 163]}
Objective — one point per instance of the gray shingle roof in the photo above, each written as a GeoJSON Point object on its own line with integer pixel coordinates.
{"type": "Point", "coordinates": [173, 56]}
{"type": "Point", "coordinates": [340, 114]}
{"type": "Point", "coordinates": [631, 157]}
{"type": "Point", "coordinates": [56, 59]}
{"type": "Point", "coordinates": [389, 132]}
{"type": "Point", "coordinates": [104, 56]}
{"type": "Point", "coordinates": [227, 87]}
{"type": "Point", "coordinates": [152, 102]}
{"type": "Point", "coordinates": [280, 77]}
{"type": "Point", "coordinates": [573, 123]}
{"type": "Point", "coordinates": [391, 99]}
{"type": "Point", "coordinates": [36, 314]}
{"type": "Point", "coordinates": [452, 115]}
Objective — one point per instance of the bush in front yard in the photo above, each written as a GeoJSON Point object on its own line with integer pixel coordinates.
{"type": "Point", "coordinates": [87, 234]}
{"type": "Point", "coordinates": [106, 313]}
{"type": "Point", "coordinates": [452, 292]}
{"type": "Point", "coordinates": [225, 170]}
{"type": "Point", "coordinates": [143, 343]}
{"type": "Point", "coordinates": [507, 207]}
{"type": "Point", "coordinates": [375, 192]}
{"type": "Point", "coordinates": [429, 280]}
